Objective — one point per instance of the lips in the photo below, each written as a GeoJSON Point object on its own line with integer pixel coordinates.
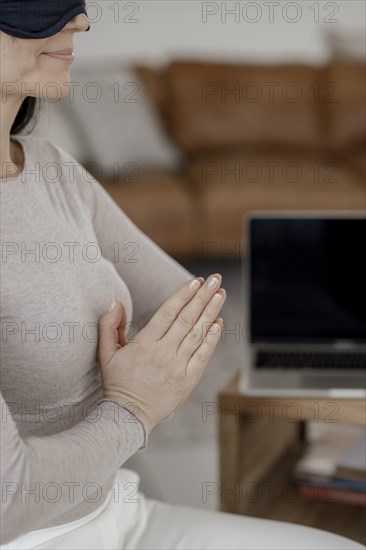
{"type": "Point", "coordinates": [65, 55]}
{"type": "Point", "coordinates": [68, 51]}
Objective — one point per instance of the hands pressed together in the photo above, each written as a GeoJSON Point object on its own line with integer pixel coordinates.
{"type": "Point", "coordinates": [155, 373]}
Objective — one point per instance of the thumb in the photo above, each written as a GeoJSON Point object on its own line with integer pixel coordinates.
{"type": "Point", "coordinates": [111, 331]}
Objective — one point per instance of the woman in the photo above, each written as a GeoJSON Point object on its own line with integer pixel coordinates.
{"type": "Point", "coordinates": [79, 397]}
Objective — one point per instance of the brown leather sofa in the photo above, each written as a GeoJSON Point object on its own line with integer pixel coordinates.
{"type": "Point", "coordinates": [272, 137]}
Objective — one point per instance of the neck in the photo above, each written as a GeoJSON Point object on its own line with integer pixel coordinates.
{"type": "Point", "coordinates": [9, 107]}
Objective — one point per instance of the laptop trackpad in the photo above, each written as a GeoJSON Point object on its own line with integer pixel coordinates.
{"type": "Point", "coordinates": [327, 382]}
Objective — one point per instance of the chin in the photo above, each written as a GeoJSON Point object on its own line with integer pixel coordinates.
{"type": "Point", "coordinates": [55, 88]}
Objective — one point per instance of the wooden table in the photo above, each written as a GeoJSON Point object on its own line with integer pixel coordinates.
{"type": "Point", "coordinates": [260, 438]}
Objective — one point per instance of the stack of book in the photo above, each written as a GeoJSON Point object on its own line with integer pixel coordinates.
{"type": "Point", "coordinates": [333, 469]}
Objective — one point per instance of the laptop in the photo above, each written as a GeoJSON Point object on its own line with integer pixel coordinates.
{"type": "Point", "coordinates": [304, 296]}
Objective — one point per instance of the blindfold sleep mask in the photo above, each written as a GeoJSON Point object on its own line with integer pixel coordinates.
{"type": "Point", "coordinates": [38, 18]}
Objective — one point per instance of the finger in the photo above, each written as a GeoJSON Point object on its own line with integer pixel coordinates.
{"type": "Point", "coordinates": [167, 313]}
{"type": "Point", "coordinates": [198, 332]}
{"type": "Point", "coordinates": [189, 315]}
{"type": "Point", "coordinates": [122, 326]}
{"type": "Point", "coordinates": [199, 360]}
{"type": "Point", "coordinates": [109, 335]}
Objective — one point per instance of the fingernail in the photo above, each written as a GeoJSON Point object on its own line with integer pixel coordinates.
{"type": "Point", "coordinates": [213, 283]}
{"type": "Point", "coordinates": [213, 328]}
{"type": "Point", "coordinates": [216, 299]}
{"type": "Point", "coordinates": [194, 285]}
{"type": "Point", "coordinates": [111, 305]}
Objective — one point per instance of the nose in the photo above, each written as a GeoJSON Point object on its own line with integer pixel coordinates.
{"type": "Point", "coordinates": [79, 23]}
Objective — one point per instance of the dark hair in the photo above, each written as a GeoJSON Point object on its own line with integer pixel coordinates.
{"type": "Point", "coordinates": [27, 113]}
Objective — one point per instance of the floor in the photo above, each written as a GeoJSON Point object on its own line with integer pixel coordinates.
{"type": "Point", "coordinates": [180, 463]}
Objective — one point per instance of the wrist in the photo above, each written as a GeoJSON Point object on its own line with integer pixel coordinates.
{"type": "Point", "coordinates": [131, 406]}
{"type": "Point", "coordinates": [122, 414]}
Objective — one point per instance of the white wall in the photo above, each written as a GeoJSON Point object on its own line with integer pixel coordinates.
{"type": "Point", "coordinates": [156, 31]}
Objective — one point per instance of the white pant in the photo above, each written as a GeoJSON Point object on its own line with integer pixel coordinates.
{"type": "Point", "coordinates": [132, 521]}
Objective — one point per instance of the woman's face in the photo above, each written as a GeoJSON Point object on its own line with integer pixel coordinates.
{"type": "Point", "coordinates": [27, 70]}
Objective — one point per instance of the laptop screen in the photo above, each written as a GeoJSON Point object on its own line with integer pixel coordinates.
{"type": "Point", "coordinates": [307, 279]}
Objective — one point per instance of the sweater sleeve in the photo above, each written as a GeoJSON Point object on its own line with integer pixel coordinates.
{"type": "Point", "coordinates": [41, 477]}
{"type": "Point", "coordinates": [151, 275]}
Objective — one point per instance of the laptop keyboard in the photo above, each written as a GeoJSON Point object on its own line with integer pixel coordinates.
{"type": "Point", "coordinates": [331, 360]}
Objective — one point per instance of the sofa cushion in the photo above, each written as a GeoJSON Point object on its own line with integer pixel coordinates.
{"type": "Point", "coordinates": [221, 106]}
{"type": "Point", "coordinates": [234, 184]}
{"type": "Point", "coordinates": [224, 207]}
{"type": "Point", "coordinates": [357, 161]}
{"type": "Point", "coordinates": [153, 81]}
{"type": "Point", "coordinates": [345, 105]}
{"type": "Point", "coordinates": [158, 202]}
{"type": "Point", "coordinates": [223, 170]}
